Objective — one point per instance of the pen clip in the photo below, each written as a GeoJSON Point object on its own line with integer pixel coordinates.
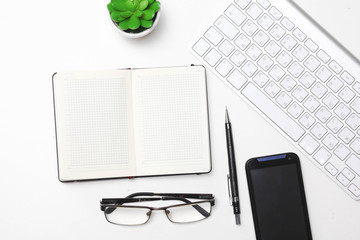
{"type": "Point", "coordinates": [229, 192]}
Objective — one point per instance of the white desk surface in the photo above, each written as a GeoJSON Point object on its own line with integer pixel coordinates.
{"type": "Point", "coordinates": [40, 37]}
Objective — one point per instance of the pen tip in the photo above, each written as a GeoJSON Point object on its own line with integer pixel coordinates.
{"type": "Point", "coordinates": [226, 115]}
{"type": "Point", "coordinates": [237, 219]}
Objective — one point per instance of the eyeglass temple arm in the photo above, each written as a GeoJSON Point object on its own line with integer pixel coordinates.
{"type": "Point", "coordinates": [180, 197]}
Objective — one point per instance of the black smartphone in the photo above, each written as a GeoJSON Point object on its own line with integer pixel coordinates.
{"type": "Point", "coordinates": [278, 198]}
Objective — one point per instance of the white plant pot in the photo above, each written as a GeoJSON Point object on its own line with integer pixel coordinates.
{"type": "Point", "coordinates": [139, 34]}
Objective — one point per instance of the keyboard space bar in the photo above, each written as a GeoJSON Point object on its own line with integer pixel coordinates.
{"type": "Point", "coordinates": [273, 112]}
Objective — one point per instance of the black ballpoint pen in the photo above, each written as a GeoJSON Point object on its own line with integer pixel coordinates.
{"type": "Point", "coordinates": [232, 177]}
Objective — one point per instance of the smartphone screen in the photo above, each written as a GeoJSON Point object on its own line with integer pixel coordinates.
{"type": "Point", "coordinates": [278, 198]}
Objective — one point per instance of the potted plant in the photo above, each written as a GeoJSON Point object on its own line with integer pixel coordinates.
{"type": "Point", "coordinates": [134, 18]}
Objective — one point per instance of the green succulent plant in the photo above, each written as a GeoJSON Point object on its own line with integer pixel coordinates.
{"type": "Point", "coordinates": [133, 14]}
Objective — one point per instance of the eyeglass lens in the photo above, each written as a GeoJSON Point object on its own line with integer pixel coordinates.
{"type": "Point", "coordinates": [127, 215]}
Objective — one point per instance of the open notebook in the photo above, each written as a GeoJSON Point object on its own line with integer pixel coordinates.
{"type": "Point", "coordinates": [131, 122]}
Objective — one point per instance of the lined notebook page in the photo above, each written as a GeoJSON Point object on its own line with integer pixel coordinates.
{"type": "Point", "coordinates": [93, 124]}
{"type": "Point", "coordinates": [171, 120]}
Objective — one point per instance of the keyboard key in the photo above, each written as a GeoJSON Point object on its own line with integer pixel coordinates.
{"type": "Point", "coordinates": [299, 35]}
{"type": "Point", "coordinates": [354, 190]}
{"type": "Point", "coordinates": [295, 69]}
{"type": "Point", "coordinates": [277, 32]}
{"type": "Point", "coordinates": [335, 67]}
{"type": "Point", "coordinates": [235, 15]}
{"type": "Point", "coordinates": [264, 3]}
{"type": "Point", "coordinates": [300, 53]}
{"type": "Point", "coordinates": [330, 100]}
{"type": "Point", "coordinates": [348, 78]}
{"type": "Point", "coordinates": [323, 56]}
{"type": "Point", "coordinates": [272, 89]}
{"type": "Point", "coordinates": [224, 67]}
{"type": "Point", "coordinates": [272, 48]}
{"type": "Point", "coordinates": [323, 73]}
{"type": "Point", "coordinates": [353, 121]}
{"type": "Point", "coordinates": [270, 109]}
{"type": "Point", "coordinates": [253, 52]}
{"type": "Point", "coordinates": [318, 90]}
{"type": "Point", "coordinates": [311, 104]}
{"type": "Point", "coordinates": [265, 21]}
{"type": "Point", "coordinates": [275, 13]}
{"type": "Point", "coordinates": [201, 46]}
{"type": "Point", "coordinates": [295, 110]}
{"type": "Point", "coordinates": [226, 47]}
{"type": "Point", "coordinates": [356, 87]}
{"type": "Point", "coordinates": [265, 62]}
{"type": "Point", "coordinates": [322, 156]}
{"type": "Point", "coordinates": [307, 80]}
{"type": "Point", "coordinates": [284, 59]}
{"type": "Point", "coordinates": [342, 179]}
{"type": "Point", "coordinates": [346, 135]}
{"type": "Point", "coordinates": [284, 99]}
{"type": "Point", "coordinates": [249, 68]}
{"type": "Point", "coordinates": [261, 38]}
{"type": "Point", "coordinates": [254, 11]}
{"type": "Point", "coordinates": [288, 83]}
{"type": "Point", "coordinates": [348, 174]}
{"type": "Point", "coordinates": [331, 169]}
{"type": "Point", "coordinates": [356, 146]}
{"type": "Point", "coordinates": [306, 120]}
{"type": "Point", "coordinates": [356, 105]}
{"type": "Point", "coordinates": [311, 63]}
{"type": "Point", "coordinates": [237, 79]}
{"type": "Point", "coordinates": [237, 58]}
{"type": "Point", "coordinates": [276, 72]}
{"type": "Point", "coordinates": [342, 111]}
{"type": "Point", "coordinates": [261, 79]}
{"type": "Point", "coordinates": [288, 42]}
{"type": "Point", "coordinates": [212, 57]}
{"type": "Point", "coordinates": [335, 84]}
{"type": "Point", "coordinates": [346, 94]}
{"type": "Point", "coordinates": [213, 36]}
{"type": "Point", "coordinates": [300, 93]}
{"type": "Point", "coordinates": [249, 28]}
{"type": "Point", "coordinates": [242, 3]}
{"type": "Point", "coordinates": [242, 42]}
{"type": "Point", "coordinates": [342, 152]}
{"type": "Point", "coordinates": [334, 124]}
{"type": "Point", "coordinates": [311, 45]}
{"type": "Point", "coordinates": [309, 144]}
{"type": "Point", "coordinates": [318, 131]}
{"type": "Point", "coordinates": [287, 23]}
{"type": "Point", "coordinates": [330, 141]}
{"type": "Point", "coordinates": [226, 27]}
{"type": "Point", "coordinates": [354, 163]}
{"type": "Point", "coordinates": [323, 114]}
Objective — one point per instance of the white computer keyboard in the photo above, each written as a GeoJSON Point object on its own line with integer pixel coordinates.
{"type": "Point", "coordinates": [295, 76]}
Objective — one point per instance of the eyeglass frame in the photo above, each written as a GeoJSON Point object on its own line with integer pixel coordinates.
{"type": "Point", "coordinates": [118, 202]}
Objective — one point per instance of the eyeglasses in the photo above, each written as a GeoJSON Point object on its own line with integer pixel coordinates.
{"type": "Point", "coordinates": [120, 211]}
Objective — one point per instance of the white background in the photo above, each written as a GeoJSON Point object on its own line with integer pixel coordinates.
{"type": "Point", "coordinates": [40, 37]}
